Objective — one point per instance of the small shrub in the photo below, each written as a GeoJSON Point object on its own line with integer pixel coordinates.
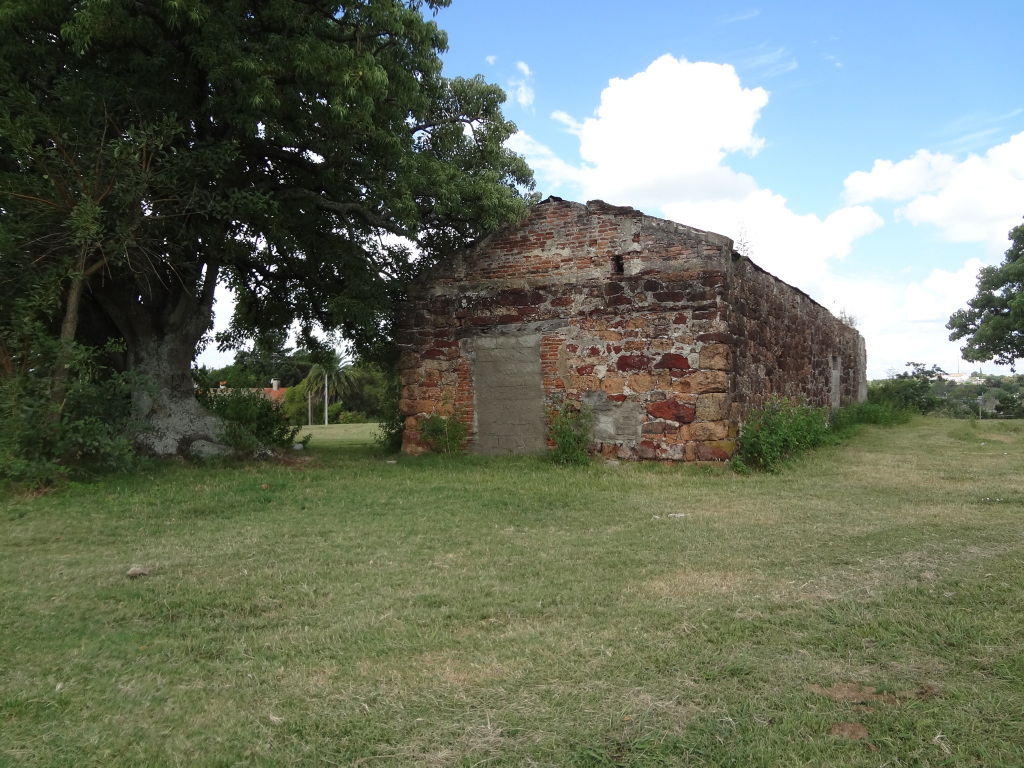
{"type": "Point", "coordinates": [444, 434]}
{"type": "Point", "coordinates": [882, 414]}
{"type": "Point", "coordinates": [253, 423]}
{"type": "Point", "coordinates": [571, 425]}
{"type": "Point", "coordinates": [908, 391]}
{"type": "Point", "coordinates": [779, 431]}
{"type": "Point", "coordinates": [390, 419]}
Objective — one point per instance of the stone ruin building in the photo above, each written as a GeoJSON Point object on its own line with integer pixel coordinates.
{"type": "Point", "coordinates": [665, 331]}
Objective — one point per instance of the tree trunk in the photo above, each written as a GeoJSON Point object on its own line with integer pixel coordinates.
{"type": "Point", "coordinates": [164, 400]}
{"type": "Point", "coordinates": [68, 329]}
{"type": "Point", "coordinates": [161, 328]}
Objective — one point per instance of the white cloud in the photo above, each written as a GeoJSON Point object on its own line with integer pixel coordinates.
{"type": "Point", "coordinates": [743, 16]}
{"type": "Point", "coordinates": [901, 323]}
{"type": "Point", "coordinates": [974, 200]}
{"type": "Point", "coordinates": [794, 247]}
{"type": "Point", "coordinates": [663, 133]}
{"type": "Point", "coordinates": [521, 87]}
{"type": "Point", "coordinates": [766, 62]}
{"type": "Point", "coordinates": [548, 166]}
{"type": "Point", "coordinates": [491, 60]}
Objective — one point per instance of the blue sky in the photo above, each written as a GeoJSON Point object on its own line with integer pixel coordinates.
{"type": "Point", "coordinates": [869, 153]}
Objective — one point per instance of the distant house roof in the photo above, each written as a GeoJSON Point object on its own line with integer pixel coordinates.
{"type": "Point", "coordinates": [956, 378]}
{"type": "Point", "coordinates": [276, 395]}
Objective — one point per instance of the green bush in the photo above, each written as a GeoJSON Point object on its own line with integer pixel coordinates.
{"type": "Point", "coordinates": [883, 414]}
{"type": "Point", "coordinates": [908, 391]}
{"type": "Point", "coordinates": [774, 434]}
{"type": "Point", "coordinates": [253, 423]}
{"type": "Point", "coordinates": [390, 419]}
{"type": "Point", "coordinates": [89, 432]}
{"type": "Point", "coordinates": [338, 414]}
{"type": "Point", "coordinates": [571, 425]}
{"type": "Point", "coordinates": [444, 434]}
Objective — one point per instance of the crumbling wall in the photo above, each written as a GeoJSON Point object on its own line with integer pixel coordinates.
{"type": "Point", "coordinates": [631, 314]}
{"type": "Point", "coordinates": [788, 345]}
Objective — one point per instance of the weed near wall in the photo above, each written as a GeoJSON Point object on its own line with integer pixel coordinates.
{"type": "Point", "coordinates": [570, 425]}
{"type": "Point", "coordinates": [444, 434]}
{"type": "Point", "coordinates": [780, 430]}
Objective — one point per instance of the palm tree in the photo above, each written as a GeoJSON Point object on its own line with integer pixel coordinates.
{"type": "Point", "coordinates": [329, 379]}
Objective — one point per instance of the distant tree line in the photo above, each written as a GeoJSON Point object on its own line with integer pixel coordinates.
{"type": "Point", "coordinates": [925, 389]}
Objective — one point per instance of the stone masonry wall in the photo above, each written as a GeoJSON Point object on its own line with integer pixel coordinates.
{"type": "Point", "coordinates": [788, 345]}
{"type": "Point", "coordinates": [633, 315]}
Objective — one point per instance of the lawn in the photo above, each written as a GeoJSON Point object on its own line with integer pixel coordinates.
{"type": "Point", "coordinates": [863, 608]}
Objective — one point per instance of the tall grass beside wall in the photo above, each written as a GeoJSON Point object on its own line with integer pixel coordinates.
{"type": "Point", "coordinates": [783, 429]}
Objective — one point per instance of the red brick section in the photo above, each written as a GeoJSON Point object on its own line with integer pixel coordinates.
{"type": "Point", "coordinates": [684, 333]}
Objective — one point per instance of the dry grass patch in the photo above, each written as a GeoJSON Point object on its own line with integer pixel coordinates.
{"type": "Point", "coordinates": [686, 583]}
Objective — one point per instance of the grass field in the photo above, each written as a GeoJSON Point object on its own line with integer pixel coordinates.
{"type": "Point", "coordinates": [863, 608]}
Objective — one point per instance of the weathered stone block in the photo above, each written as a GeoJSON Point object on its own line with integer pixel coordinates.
{"type": "Point", "coordinates": [673, 410]}
{"type": "Point", "coordinates": [713, 406]}
{"type": "Point", "coordinates": [719, 450]}
{"type": "Point", "coordinates": [708, 430]}
{"type": "Point", "coordinates": [716, 357]}
{"type": "Point", "coordinates": [613, 385]}
{"type": "Point", "coordinates": [673, 361]}
{"type": "Point", "coordinates": [634, 362]}
{"type": "Point", "coordinates": [702, 382]}
{"type": "Point", "coordinates": [642, 382]}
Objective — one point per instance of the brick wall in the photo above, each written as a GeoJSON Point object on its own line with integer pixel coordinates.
{"type": "Point", "coordinates": [655, 325]}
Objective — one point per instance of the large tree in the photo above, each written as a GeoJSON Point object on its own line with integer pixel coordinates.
{"type": "Point", "coordinates": [993, 323]}
{"type": "Point", "coordinates": [297, 151]}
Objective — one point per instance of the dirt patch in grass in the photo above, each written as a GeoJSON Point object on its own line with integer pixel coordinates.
{"type": "Point", "coordinates": [853, 731]}
{"type": "Point", "coordinates": [862, 694]}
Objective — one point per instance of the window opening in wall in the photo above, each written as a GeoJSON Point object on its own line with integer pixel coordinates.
{"type": "Point", "coordinates": [618, 267]}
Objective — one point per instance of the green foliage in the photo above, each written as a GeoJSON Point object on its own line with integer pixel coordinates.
{"type": "Point", "coordinates": [337, 414]}
{"type": "Point", "coordinates": [254, 423]}
{"type": "Point", "coordinates": [43, 442]}
{"type": "Point", "coordinates": [444, 434]}
{"type": "Point", "coordinates": [782, 430]}
{"type": "Point", "coordinates": [390, 419]}
{"type": "Point", "coordinates": [993, 323]}
{"type": "Point", "coordinates": [910, 390]}
{"type": "Point", "coordinates": [296, 404]}
{"type": "Point", "coordinates": [570, 426]}
{"type": "Point", "coordinates": [268, 359]}
{"type": "Point", "coordinates": [369, 390]}
{"type": "Point", "coordinates": [844, 421]}
{"type": "Point", "coordinates": [774, 434]}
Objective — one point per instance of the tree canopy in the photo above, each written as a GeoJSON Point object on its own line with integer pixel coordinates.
{"type": "Point", "coordinates": [993, 323]}
{"type": "Point", "coordinates": [297, 151]}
